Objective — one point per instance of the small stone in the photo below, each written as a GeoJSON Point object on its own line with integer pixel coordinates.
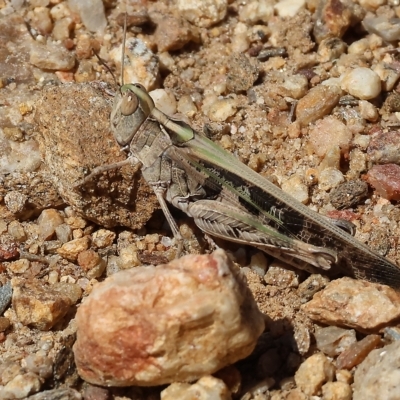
{"type": "Point", "coordinates": [21, 386]}
{"type": "Point", "coordinates": [38, 305]}
{"type": "Point", "coordinates": [242, 73]}
{"type": "Point", "coordinates": [313, 284]}
{"type": "Point", "coordinates": [282, 276]}
{"type": "Point", "coordinates": [8, 249]}
{"type": "Point", "coordinates": [330, 178]}
{"type": "Point", "coordinates": [205, 388]}
{"type": "Point", "coordinates": [186, 106]}
{"type": "Point", "coordinates": [16, 230]}
{"type": "Point", "coordinates": [15, 201]}
{"type": "Point", "coordinates": [91, 392]}
{"type": "Point", "coordinates": [203, 14]}
{"type": "Point", "coordinates": [6, 292]}
{"type": "Point", "coordinates": [255, 11]}
{"type": "Point", "coordinates": [91, 12]}
{"type": "Point", "coordinates": [159, 310]}
{"type": "Point", "coordinates": [356, 304]}
{"type": "Point", "coordinates": [40, 20]}
{"type": "Point", "coordinates": [39, 364]}
{"type": "Point", "coordinates": [333, 340]}
{"type": "Point", "coordinates": [164, 100]}
{"type": "Point", "coordinates": [103, 238]}
{"type": "Point", "coordinates": [71, 249]}
{"type": "Point", "coordinates": [384, 148]}
{"type": "Point", "coordinates": [19, 266]}
{"type": "Point", "coordinates": [221, 110]}
{"type": "Point", "coordinates": [385, 179]}
{"type": "Point", "coordinates": [377, 377]}
{"type": "Point", "coordinates": [240, 41]}
{"type": "Point", "coordinates": [63, 233]}
{"type": "Point", "coordinates": [296, 188]}
{"type": "Point", "coordinates": [387, 29]}
{"type": "Point", "coordinates": [76, 222]}
{"type": "Point", "coordinates": [128, 257]}
{"type": "Point", "coordinates": [362, 83]}
{"type": "Point", "coordinates": [331, 49]}
{"type": "Point", "coordinates": [357, 352]}
{"type": "Point", "coordinates": [4, 324]}
{"type": "Point", "coordinates": [173, 33]}
{"type": "Point", "coordinates": [91, 263]}
{"type": "Point", "coordinates": [51, 56]}
{"type": "Point", "coordinates": [141, 64]}
{"type": "Point", "coordinates": [48, 221]}
{"type": "Point", "coordinates": [289, 8]}
{"type": "Point", "coordinates": [318, 102]}
{"type": "Point", "coordinates": [57, 394]}
{"type": "Point", "coordinates": [62, 28]}
{"type": "Point", "coordinates": [349, 194]}
{"type": "Point", "coordinates": [70, 290]}
{"type": "Point", "coordinates": [388, 76]}
{"type": "Point", "coordinates": [337, 391]}
{"type": "Point", "coordinates": [313, 373]}
{"type": "Point", "coordinates": [343, 375]}
{"type": "Point", "coordinates": [259, 263]}
{"type": "Point", "coordinates": [327, 133]}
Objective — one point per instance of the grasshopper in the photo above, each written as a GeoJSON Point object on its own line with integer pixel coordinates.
{"type": "Point", "coordinates": [229, 200]}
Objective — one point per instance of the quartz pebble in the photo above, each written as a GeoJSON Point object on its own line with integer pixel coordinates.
{"type": "Point", "coordinates": [38, 305]}
{"type": "Point", "coordinates": [384, 148]}
{"type": "Point", "coordinates": [289, 8]}
{"type": "Point", "coordinates": [318, 102]}
{"type": "Point", "coordinates": [103, 238]}
{"type": "Point", "coordinates": [204, 13]}
{"type": "Point", "coordinates": [357, 352]}
{"type": "Point", "coordinates": [221, 110]}
{"type": "Point", "coordinates": [377, 377]}
{"type": "Point", "coordinates": [387, 29]}
{"type": "Point", "coordinates": [176, 322]}
{"type": "Point", "coordinates": [313, 284]}
{"type": "Point", "coordinates": [296, 188]}
{"type": "Point", "coordinates": [313, 373]}
{"type": "Point", "coordinates": [141, 64]}
{"type": "Point", "coordinates": [51, 56]}
{"type": "Point", "coordinates": [254, 11]}
{"type": "Point", "coordinates": [337, 391]}
{"type": "Point", "coordinates": [361, 305]}
{"type": "Point", "coordinates": [385, 179]}
{"type": "Point", "coordinates": [330, 178]}
{"type": "Point", "coordinates": [48, 221]}
{"type": "Point", "coordinates": [281, 275]}
{"type": "Point", "coordinates": [205, 388]}
{"type": "Point", "coordinates": [71, 249]}
{"type": "Point", "coordinates": [327, 133]}
{"type": "Point", "coordinates": [164, 100]}
{"type": "Point", "coordinates": [362, 83]}
{"type": "Point", "coordinates": [91, 263]}
{"type": "Point", "coordinates": [333, 340]}
{"type": "Point", "coordinates": [91, 12]}
{"type": "Point", "coordinates": [21, 386]}
{"type": "Point", "coordinates": [15, 201]}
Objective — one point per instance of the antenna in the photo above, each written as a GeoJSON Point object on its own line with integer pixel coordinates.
{"type": "Point", "coordinates": [123, 51]}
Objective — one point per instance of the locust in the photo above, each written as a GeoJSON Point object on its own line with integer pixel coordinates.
{"type": "Point", "coordinates": [229, 200]}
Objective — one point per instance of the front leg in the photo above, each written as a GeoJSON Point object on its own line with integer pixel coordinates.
{"type": "Point", "coordinates": [231, 223]}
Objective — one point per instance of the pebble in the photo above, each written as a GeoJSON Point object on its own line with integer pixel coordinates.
{"type": "Point", "coordinates": [368, 111]}
{"type": "Point", "coordinates": [389, 76]}
{"type": "Point", "coordinates": [206, 388]}
{"type": "Point", "coordinates": [313, 284]}
{"type": "Point", "coordinates": [91, 13]}
{"type": "Point", "coordinates": [15, 201]}
{"type": "Point", "coordinates": [377, 377]}
{"type": "Point", "coordinates": [204, 13]}
{"type": "Point", "coordinates": [141, 64]}
{"type": "Point", "coordinates": [57, 394]}
{"type": "Point", "coordinates": [330, 178]}
{"type": "Point", "coordinates": [242, 73]}
{"type": "Point", "coordinates": [318, 102]}
{"type": "Point", "coordinates": [331, 49]}
{"type": "Point", "coordinates": [71, 249]}
{"type": "Point", "coordinates": [8, 249]}
{"type": "Point", "coordinates": [384, 148]}
{"type": "Point", "coordinates": [186, 106]}
{"type": "Point", "coordinates": [48, 221]}
{"type": "Point", "coordinates": [357, 304]}
{"type": "Point", "coordinates": [387, 28]}
{"type": "Point", "coordinates": [21, 386]}
{"type": "Point", "coordinates": [313, 373]}
{"type": "Point", "coordinates": [254, 11]}
{"type": "Point", "coordinates": [176, 322]}
{"type": "Point", "coordinates": [221, 110]}
{"type": "Point", "coordinates": [333, 340]}
{"type": "Point", "coordinates": [240, 41]}
{"type": "Point", "coordinates": [362, 83]}
{"type": "Point", "coordinates": [281, 275]}
{"type": "Point", "coordinates": [38, 305]}
{"type": "Point", "coordinates": [38, 364]}
{"type": "Point", "coordinates": [62, 28]}
{"type": "Point", "coordinates": [6, 292]}
{"type": "Point", "coordinates": [328, 133]}
{"type": "Point", "coordinates": [164, 100]}
{"type": "Point", "coordinates": [349, 194]}
{"type": "Point", "coordinates": [17, 231]}
{"type": "Point", "coordinates": [103, 238]}
{"type": "Point", "coordinates": [337, 391]}
{"type": "Point", "coordinates": [4, 324]}
{"type": "Point", "coordinates": [357, 352]}
{"type": "Point", "coordinates": [296, 187]}
{"type": "Point", "coordinates": [51, 56]}
{"type": "Point", "coordinates": [128, 257]}
{"type": "Point", "coordinates": [385, 179]}
{"type": "Point", "coordinates": [19, 266]}
{"type": "Point", "coordinates": [39, 19]}
{"type": "Point", "coordinates": [91, 263]}
{"type": "Point", "coordinates": [289, 8]}
{"type": "Point", "coordinates": [173, 33]}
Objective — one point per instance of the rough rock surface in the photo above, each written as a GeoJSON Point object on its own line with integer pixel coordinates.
{"type": "Point", "coordinates": [154, 325]}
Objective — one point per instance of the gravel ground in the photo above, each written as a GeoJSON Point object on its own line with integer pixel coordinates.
{"type": "Point", "coordinates": [305, 93]}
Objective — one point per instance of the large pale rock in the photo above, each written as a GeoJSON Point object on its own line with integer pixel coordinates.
{"type": "Point", "coordinates": [175, 322]}
{"type": "Point", "coordinates": [361, 305]}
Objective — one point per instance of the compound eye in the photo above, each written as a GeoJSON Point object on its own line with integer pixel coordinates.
{"type": "Point", "coordinates": [129, 104]}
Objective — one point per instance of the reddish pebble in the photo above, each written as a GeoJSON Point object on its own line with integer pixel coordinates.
{"type": "Point", "coordinates": [386, 180]}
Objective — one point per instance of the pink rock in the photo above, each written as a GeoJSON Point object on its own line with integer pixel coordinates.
{"type": "Point", "coordinates": [175, 322]}
{"type": "Point", "coordinates": [386, 180]}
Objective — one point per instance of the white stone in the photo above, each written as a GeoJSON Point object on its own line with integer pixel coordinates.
{"type": "Point", "coordinates": [362, 83]}
{"type": "Point", "coordinates": [330, 178]}
{"type": "Point", "coordinates": [164, 101]}
{"type": "Point", "coordinates": [203, 13]}
{"type": "Point", "coordinates": [91, 12]}
{"type": "Point", "coordinates": [296, 188]}
{"type": "Point", "coordinates": [289, 8]}
{"type": "Point", "coordinates": [254, 11]}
